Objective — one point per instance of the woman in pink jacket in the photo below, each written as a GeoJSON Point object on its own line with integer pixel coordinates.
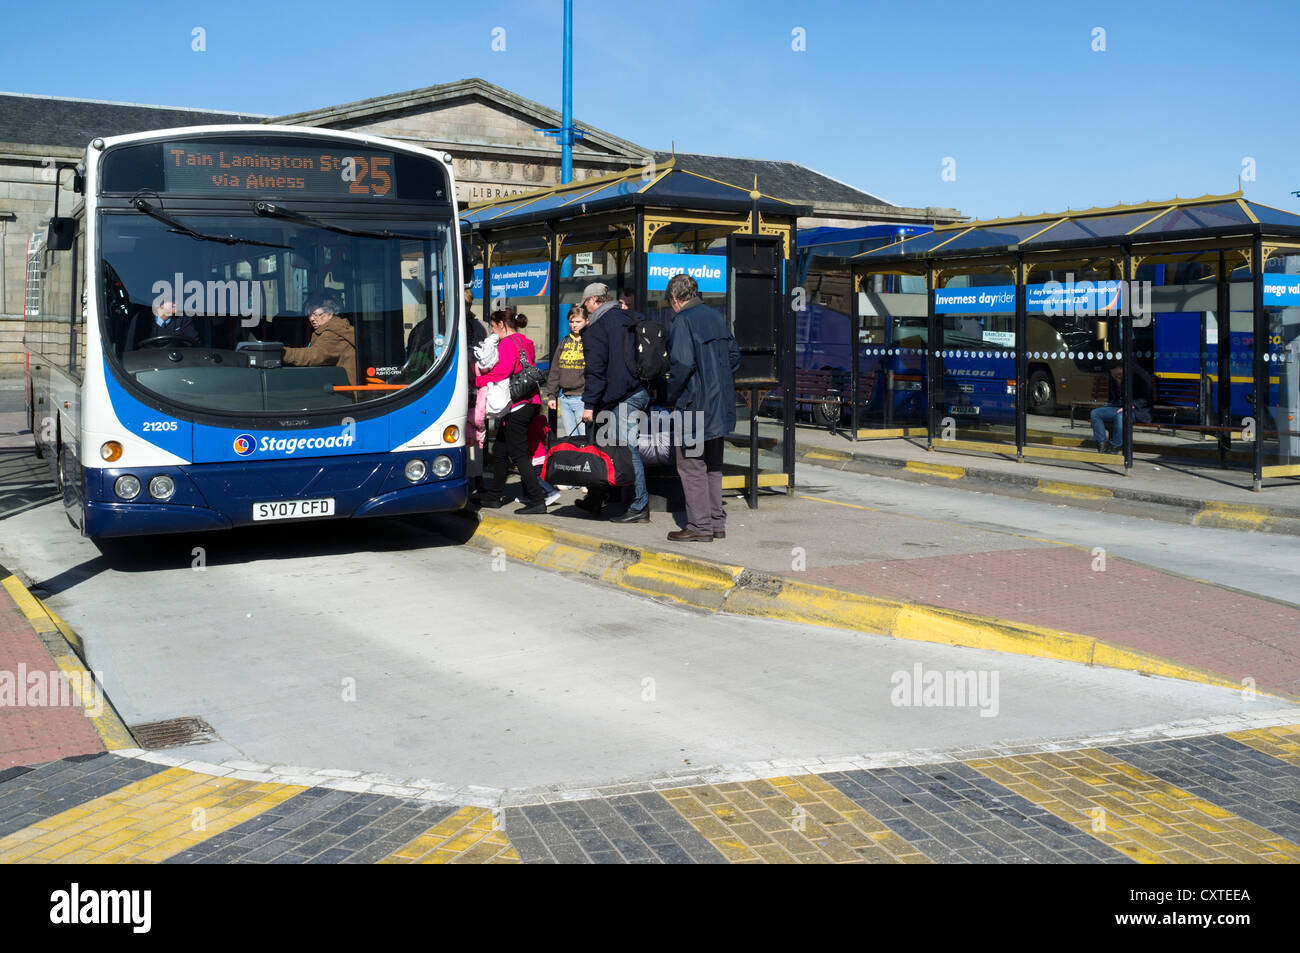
{"type": "Point", "coordinates": [512, 433]}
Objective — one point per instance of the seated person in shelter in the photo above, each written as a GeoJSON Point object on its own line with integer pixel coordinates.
{"type": "Point", "coordinates": [333, 341]}
{"type": "Point", "coordinates": [166, 323]}
{"type": "Point", "coordinates": [1111, 417]}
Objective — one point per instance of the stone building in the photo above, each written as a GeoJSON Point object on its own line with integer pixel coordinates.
{"type": "Point", "coordinates": [494, 136]}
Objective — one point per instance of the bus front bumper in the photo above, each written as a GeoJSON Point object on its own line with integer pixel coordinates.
{"type": "Point", "coordinates": [223, 496]}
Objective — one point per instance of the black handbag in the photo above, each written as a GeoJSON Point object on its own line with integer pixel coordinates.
{"type": "Point", "coordinates": [527, 381]}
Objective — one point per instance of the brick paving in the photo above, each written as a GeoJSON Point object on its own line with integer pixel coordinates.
{"type": "Point", "coordinates": [1253, 785]}
{"type": "Point", "coordinates": [1205, 798]}
{"type": "Point", "coordinates": [34, 734]}
{"type": "Point", "coordinates": [1197, 624]}
{"type": "Point", "coordinates": [953, 814]}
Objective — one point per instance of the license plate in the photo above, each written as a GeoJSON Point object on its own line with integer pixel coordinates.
{"type": "Point", "coordinates": [293, 509]}
{"type": "Point", "coordinates": [963, 409]}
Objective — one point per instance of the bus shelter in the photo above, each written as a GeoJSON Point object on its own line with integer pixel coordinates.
{"type": "Point", "coordinates": [633, 231]}
{"type": "Point", "coordinates": [1006, 335]}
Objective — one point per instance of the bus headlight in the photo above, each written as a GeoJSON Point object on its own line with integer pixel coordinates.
{"type": "Point", "coordinates": [126, 487]}
{"type": "Point", "coordinates": [441, 465]}
{"type": "Point", "coordinates": [162, 487]}
{"type": "Point", "coordinates": [415, 470]}
{"type": "Point", "coordinates": [110, 450]}
{"type": "Point", "coordinates": [450, 434]}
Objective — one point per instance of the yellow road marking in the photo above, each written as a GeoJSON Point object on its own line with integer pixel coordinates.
{"type": "Point", "coordinates": [739, 481]}
{"type": "Point", "coordinates": [1078, 491]}
{"type": "Point", "coordinates": [1231, 516]}
{"type": "Point", "coordinates": [1281, 742]}
{"type": "Point", "coordinates": [826, 455]}
{"type": "Point", "coordinates": [145, 822]}
{"type": "Point", "coordinates": [795, 820]}
{"type": "Point", "coordinates": [29, 605]}
{"type": "Point", "coordinates": [470, 836]}
{"type": "Point", "coordinates": [936, 469]}
{"type": "Point", "coordinates": [1138, 814]}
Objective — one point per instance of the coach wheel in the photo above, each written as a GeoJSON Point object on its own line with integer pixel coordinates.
{"type": "Point", "coordinates": [1042, 392]}
{"type": "Point", "coordinates": [827, 414]}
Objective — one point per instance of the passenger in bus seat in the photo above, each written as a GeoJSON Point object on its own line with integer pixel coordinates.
{"type": "Point", "coordinates": [333, 341]}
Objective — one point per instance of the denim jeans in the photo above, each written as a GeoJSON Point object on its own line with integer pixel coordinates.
{"type": "Point", "coordinates": [570, 407]}
{"type": "Point", "coordinates": [1104, 418]}
{"type": "Point", "coordinates": [629, 427]}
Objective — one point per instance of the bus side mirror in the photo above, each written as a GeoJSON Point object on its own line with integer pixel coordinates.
{"type": "Point", "coordinates": [466, 263]}
{"type": "Point", "coordinates": [60, 234]}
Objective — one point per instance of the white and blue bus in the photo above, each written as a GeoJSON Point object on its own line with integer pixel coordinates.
{"type": "Point", "coordinates": [170, 380]}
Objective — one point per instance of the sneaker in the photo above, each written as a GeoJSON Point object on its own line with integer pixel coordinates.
{"type": "Point", "coordinates": [532, 509]}
{"type": "Point", "coordinates": [489, 503]}
{"type": "Point", "coordinates": [553, 498]}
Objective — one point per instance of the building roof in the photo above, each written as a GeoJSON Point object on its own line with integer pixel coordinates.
{"type": "Point", "coordinates": [72, 123]}
{"type": "Point", "coordinates": [376, 107]}
{"type": "Point", "coordinates": [668, 187]}
{"type": "Point", "coordinates": [776, 177]}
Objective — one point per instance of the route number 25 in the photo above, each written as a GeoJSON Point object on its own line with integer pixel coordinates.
{"type": "Point", "coordinates": [376, 170]}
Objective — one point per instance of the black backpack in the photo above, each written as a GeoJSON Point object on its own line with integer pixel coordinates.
{"type": "Point", "coordinates": [647, 350]}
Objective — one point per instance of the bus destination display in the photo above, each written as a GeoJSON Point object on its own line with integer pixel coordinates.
{"type": "Point", "coordinates": [257, 169]}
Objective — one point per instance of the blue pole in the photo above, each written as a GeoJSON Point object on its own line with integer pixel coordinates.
{"type": "Point", "coordinates": [566, 128]}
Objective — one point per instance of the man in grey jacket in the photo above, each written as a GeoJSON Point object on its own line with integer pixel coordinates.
{"type": "Point", "coordinates": [701, 389]}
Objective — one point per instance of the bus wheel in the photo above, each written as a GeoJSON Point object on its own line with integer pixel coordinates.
{"type": "Point", "coordinates": [1042, 392]}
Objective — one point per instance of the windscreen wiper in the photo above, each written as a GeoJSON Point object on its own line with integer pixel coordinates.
{"type": "Point", "coordinates": [140, 205]}
{"type": "Point", "coordinates": [277, 211]}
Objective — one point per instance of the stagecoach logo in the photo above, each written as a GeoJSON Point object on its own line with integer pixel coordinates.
{"type": "Point", "coordinates": [246, 444]}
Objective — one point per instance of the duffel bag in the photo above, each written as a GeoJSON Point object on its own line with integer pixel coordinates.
{"type": "Point", "coordinates": [578, 461]}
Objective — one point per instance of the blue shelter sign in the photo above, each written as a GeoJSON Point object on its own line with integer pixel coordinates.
{"type": "Point", "coordinates": [709, 271]}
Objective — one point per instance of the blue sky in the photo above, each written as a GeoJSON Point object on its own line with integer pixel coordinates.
{"type": "Point", "coordinates": [1034, 118]}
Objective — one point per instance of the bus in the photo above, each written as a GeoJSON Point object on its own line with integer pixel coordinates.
{"type": "Point", "coordinates": [169, 378]}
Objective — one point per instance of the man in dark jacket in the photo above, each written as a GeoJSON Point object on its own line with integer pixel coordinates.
{"type": "Point", "coordinates": [611, 387]}
{"type": "Point", "coordinates": [166, 323]}
{"type": "Point", "coordinates": [1111, 417]}
{"type": "Point", "coordinates": [702, 392]}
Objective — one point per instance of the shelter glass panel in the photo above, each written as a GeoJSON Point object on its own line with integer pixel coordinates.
{"type": "Point", "coordinates": [520, 279]}
{"type": "Point", "coordinates": [1193, 219]}
{"type": "Point", "coordinates": [892, 353]}
{"type": "Point", "coordinates": [994, 236]}
{"type": "Point", "coordinates": [976, 388]}
{"type": "Point", "coordinates": [1281, 414]}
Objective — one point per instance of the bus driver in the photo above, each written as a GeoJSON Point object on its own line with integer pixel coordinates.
{"type": "Point", "coordinates": [332, 344]}
{"type": "Point", "coordinates": [166, 323]}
